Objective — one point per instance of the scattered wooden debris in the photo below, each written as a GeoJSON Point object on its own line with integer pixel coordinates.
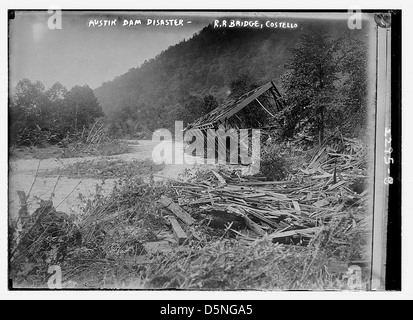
{"type": "Point", "coordinates": [281, 209]}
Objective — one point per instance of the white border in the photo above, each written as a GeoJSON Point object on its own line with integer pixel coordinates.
{"type": "Point", "coordinates": [407, 207]}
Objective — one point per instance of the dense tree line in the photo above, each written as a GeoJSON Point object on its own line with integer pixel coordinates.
{"type": "Point", "coordinates": [57, 110]}
{"type": "Point", "coordinates": [325, 85]}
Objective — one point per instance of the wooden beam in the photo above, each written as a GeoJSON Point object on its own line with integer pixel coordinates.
{"type": "Point", "coordinates": [302, 232]}
{"type": "Point", "coordinates": [245, 102]}
{"type": "Point", "coordinates": [262, 106]}
{"type": "Point", "coordinates": [275, 97]}
{"type": "Point", "coordinates": [280, 100]}
{"type": "Point", "coordinates": [177, 210]}
{"type": "Point", "coordinates": [179, 233]}
{"type": "Point", "coordinates": [275, 88]}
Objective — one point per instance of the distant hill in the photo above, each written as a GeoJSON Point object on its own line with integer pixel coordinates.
{"type": "Point", "coordinates": [204, 64]}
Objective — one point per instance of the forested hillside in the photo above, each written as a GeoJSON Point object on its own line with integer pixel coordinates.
{"type": "Point", "coordinates": [172, 86]}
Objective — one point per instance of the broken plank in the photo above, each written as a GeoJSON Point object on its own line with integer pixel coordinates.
{"type": "Point", "coordinates": [219, 177]}
{"type": "Point", "coordinates": [279, 213]}
{"type": "Point", "coordinates": [321, 203]}
{"type": "Point", "coordinates": [278, 196]}
{"type": "Point", "coordinates": [340, 183]}
{"type": "Point", "coordinates": [165, 201]}
{"type": "Point", "coordinates": [327, 175]}
{"type": "Point", "coordinates": [296, 206]}
{"type": "Point", "coordinates": [177, 210]}
{"type": "Point", "coordinates": [258, 183]}
{"type": "Point", "coordinates": [179, 233]}
{"type": "Point", "coordinates": [340, 155]}
{"type": "Point", "coordinates": [303, 232]}
{"type": "Point", "coordinates": [262, 218]}
{"type": "Point", "coordinates": [187, 187]}
{"type": "Point", "coordinates": [182, 202]}
{"type": "Point", "coordinates": [236, 187]}
{"type": "Point", "coordinates": [201, 201]}
{"type": "Point", "coordinates": [316, 157]}
{"type": "Point", "coordinates": [250, 224]}
{"type": "Point", "coordinates": [305, 206]}
{"type": "Point", "coordinates": [251, 195]}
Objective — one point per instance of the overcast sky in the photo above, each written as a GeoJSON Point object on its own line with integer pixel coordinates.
{"type": "Point", "coordinates": [78, 54]}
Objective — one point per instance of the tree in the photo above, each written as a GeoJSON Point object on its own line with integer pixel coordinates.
{"type": "Point", "coordinates": [352, 64]}
{"type": "Point", "coordinates": [57, 92]}
{"type": "Point", "coordinates": [210, 103]}
{"type": "Point", "coordinates": [191, 109]}
{"type": "Point", "coordinates": [54, 110]}
{"type": "Point", "coordinates": [242, 84]}
{"type": "Point", "coordinates": [31, 105]}
{"type": "Point", "coordinates": [56, 96]}
{"type": "Point", "coordinates": [82, 107]}
{"type": "Point", "coordinates": [309, 83]}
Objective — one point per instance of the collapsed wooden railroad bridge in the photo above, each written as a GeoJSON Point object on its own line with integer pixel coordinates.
{"type": "Point", "coordinates": [256, 109]}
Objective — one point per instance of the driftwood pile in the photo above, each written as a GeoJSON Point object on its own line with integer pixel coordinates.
{"type": "Point", "coordinates": [322, 203]}
{"type": "Point", "coordinates": [330, 186]}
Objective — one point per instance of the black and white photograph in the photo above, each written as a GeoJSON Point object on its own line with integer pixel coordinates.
{"type": "Point", "coordinates": [201, 150]}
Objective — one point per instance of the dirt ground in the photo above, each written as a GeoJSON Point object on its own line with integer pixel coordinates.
{"type": "Point", "coordinates": [66, 193]}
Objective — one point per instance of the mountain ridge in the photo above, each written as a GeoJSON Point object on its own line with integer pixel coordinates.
{"type": "Point", "coordinates": [203, 65]}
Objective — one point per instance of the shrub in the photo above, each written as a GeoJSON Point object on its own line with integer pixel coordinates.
{"type": "Point", "coordinates": [273, 163]}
